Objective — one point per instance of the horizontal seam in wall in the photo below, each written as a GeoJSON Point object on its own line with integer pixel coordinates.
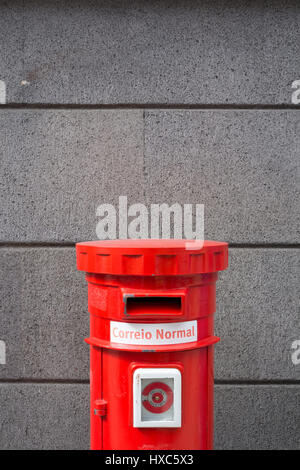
{"type": "Point", "coordinates": [145, 106]}
{"type": "Point", "coordinates": [72, 244]}
{"type": "Point", "coordinates": [44, 381]}
{"type": "Point", "coordinates": [86, 382]}
{"type": "Point", "coordinates": [257, 382]}
{"type": "Point", "coordinates": [37, 244]}
{"type": "Point", "coordinates": [265, 245]}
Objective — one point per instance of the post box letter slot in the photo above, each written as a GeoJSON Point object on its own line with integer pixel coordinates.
{"type": "Point", "coordinates": [153, 305]}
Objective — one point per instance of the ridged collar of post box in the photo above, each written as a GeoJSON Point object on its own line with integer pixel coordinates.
{"type": "Point", "coordinates": [152, 257]}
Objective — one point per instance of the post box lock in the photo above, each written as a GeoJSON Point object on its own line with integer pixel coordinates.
{"type": "Point", "coordinates": [157, 398]}
{"type": "Point", "coordinates": [100, 408]}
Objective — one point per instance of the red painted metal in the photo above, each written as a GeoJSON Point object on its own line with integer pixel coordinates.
{"type": "Point", "coordinates": [150, 282]}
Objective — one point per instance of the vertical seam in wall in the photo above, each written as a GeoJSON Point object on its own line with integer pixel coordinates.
{"type": "Point", "coordinates": [23, 43]}
{"type": "Point", "coordinates": [144, 163]}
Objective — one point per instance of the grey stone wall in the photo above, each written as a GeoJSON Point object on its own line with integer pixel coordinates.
{"type": "Point", "coordinates": [163, 101]}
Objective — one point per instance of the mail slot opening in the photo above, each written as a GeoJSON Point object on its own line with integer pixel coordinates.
{"type": "Point", "coordinates": [153, 305]}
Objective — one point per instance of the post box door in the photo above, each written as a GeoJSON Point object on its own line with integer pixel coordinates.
{"type": "Point", "coordinates": [119, 431]}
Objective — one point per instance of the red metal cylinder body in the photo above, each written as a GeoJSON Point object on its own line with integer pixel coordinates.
{"type": "Point", "coordinates": [151, 305]}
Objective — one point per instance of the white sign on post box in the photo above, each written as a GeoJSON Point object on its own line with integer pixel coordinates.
{"type": "Point", "coordinates": [153, 333]}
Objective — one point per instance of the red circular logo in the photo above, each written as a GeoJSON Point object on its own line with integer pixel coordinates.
{"type": "Point", "coordinates": [157, 397]}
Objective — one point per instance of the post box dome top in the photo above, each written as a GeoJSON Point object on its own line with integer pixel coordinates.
{"type": "Point", "coordinates": [151, 257]}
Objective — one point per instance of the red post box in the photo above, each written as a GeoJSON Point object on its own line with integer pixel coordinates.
{"type": "Point", "coordinates": [151, 305]}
